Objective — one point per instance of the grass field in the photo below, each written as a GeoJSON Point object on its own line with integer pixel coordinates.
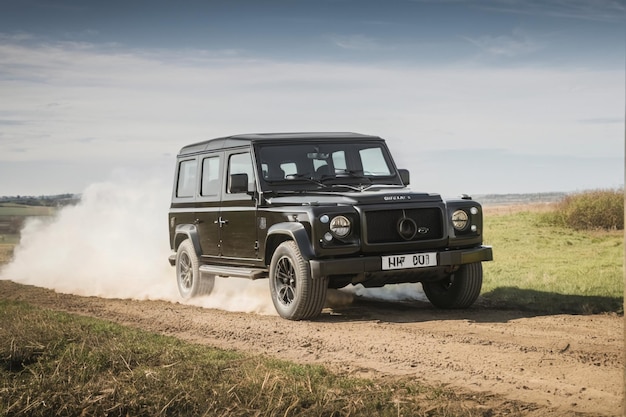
{"type": "Point", "coordinates": [539, 266]}
{"type": "Point", "coordinates": [10, 209]}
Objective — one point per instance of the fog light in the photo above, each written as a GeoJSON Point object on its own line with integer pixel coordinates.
{"type": "Point", "coordinates": [474, 228]}
{"type": "Point", "coordinates": [328, 237]}
{"type": "Point", "coordinates": [474, 210]}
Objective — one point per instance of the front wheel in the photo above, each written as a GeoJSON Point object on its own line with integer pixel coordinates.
{"type": "Point", "coordinates": [295, 294]}
{"type": "Point", "coordinates": [459, 290]}
{"type": "Point", "coordinates": [190, 282]}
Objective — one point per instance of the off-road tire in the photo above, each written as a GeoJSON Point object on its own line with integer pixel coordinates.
{"type": "Point", "coordinates": [190, 282]}
{"type": "Point", "coordinates": [295, 294]}
{"type": "Point", "coordinates": [459, 290]}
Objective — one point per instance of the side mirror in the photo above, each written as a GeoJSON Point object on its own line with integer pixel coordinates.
{"type": "Point", "coordinates": [238, 184]}
{"type": "Point", "coordinates": [404, 176]}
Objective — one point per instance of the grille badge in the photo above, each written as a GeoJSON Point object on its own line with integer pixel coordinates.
{"type": "Point", "coordinates": [407, 228]}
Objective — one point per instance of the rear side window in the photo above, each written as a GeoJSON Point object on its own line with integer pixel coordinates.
{"type": "Point", "coordinates": [186, 185]}
{"type": "Point", "coordinates": [211, 176]}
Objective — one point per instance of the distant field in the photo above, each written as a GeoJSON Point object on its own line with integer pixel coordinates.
{"type": "Point", "coordinates": [518, 199]}
{"type": "Point", "coordinates": [13, 216]}
{"type": "Point", "coordinates": [10, 209]}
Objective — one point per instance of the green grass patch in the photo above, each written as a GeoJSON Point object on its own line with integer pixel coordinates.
{"type": "Point", "coordinates": [539, 265]}
{"type": "Point", "coordinates": [9, 239]}
{"type": "Point", "coordinates": [59, 364]}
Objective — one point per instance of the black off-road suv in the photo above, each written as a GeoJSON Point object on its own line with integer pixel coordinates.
{"type": "Point", "coordinates": [312, 211]}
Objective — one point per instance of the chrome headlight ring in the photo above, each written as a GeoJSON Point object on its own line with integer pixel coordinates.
{"type": "Point", "coordinates": [340, 226]}
{"type": "Point", "coordinates": [460, 220]}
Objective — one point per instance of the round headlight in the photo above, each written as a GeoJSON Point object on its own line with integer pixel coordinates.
{"type": "Point", "coordinates": [460, 220]}
{"type": "Point", "coordinates": [340, 226]}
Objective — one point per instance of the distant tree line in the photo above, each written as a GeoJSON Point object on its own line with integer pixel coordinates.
{"type": "Point", "coordinates": [527, 198]}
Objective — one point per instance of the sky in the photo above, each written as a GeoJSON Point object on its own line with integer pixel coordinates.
{"type": "Point", "coordinates": [475, 97]}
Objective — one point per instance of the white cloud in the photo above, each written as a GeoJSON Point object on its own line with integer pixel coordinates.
{"type": "Point", "coordinates": [357, 42]}
{"type": "Point", "coordinates": [517, 44]}
{"type": "Point", "coordinates": [85, 102]}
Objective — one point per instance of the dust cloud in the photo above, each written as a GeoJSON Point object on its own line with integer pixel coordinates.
{"type": "Point", "coordinates": [114, 244]}
{"type": "Point", "coordinates": [396, 292]}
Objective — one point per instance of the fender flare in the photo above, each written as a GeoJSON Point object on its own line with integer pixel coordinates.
{"type": "Point", "coordinates": [289, 231]}
{"type": "Point", "coordinates": [187, 231]}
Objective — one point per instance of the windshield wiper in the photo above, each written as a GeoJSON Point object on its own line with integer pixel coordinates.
{"type": "Point", "coordinates": [353, 173]}
{"type": "Point", "coordinates": [323, 180]}
{"type": "Point", "coordinates": [349, 173]}
{"type": "Point", "coordinates": [306, 177]}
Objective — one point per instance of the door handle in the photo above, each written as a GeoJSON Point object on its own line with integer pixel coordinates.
{"type": "Point", "coordinates": [220, 221]}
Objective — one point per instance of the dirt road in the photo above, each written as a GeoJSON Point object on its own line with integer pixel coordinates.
{"type": "Point", "coordinates": [563, 364]}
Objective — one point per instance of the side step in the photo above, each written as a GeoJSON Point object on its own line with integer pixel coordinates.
{"type": "Point", "coordinates": [232, 271]}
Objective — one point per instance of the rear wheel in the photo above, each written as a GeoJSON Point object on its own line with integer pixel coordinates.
{"type": "Point", "coordinates": [295, 294]}
{"type": "Point", "coordinates": [459, 290]}
{"type": "Point", "coordinates": [190, 282]}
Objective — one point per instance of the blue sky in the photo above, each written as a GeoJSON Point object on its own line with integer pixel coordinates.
{"type": "Point", "coordinates": [475, 97]}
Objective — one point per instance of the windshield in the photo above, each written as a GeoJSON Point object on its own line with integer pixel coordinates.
{"type": "Point", "coordinates": [325, 165]}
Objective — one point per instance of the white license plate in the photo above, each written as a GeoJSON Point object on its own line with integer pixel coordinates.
{"type": "Point", "coordinates": [414, 260]}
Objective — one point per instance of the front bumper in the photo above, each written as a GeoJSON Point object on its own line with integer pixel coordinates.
{"type": "Point", "coordinates": [373, 264]}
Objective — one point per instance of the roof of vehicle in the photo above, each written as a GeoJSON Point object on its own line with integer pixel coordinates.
{"type": "Point", "coordinates": [247, 139]}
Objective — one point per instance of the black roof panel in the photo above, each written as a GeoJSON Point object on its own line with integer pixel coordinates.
{"type": "Point", "coordinates": [247, 139]}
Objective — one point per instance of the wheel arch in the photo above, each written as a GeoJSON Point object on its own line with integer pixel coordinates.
{"type": "Point", "coordinates": [281, 232]}
{"type": "Point", "coordinates": [187, 231]}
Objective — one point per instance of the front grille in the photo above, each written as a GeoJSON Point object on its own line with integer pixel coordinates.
{"type": "Point", "coordinates": [388, 226]}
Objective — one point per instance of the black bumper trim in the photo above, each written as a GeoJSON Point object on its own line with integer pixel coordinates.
{"type": "Point", "coordinates": [346, 266]}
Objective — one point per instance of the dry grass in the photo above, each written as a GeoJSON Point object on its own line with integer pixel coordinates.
{"type": "Point", "coordinates": [591, 210]}
{"type": "Point", "coordinates": [63, 365]}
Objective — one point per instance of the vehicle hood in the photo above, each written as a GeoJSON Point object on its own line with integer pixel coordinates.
{"type": "Point", "coordinates": [351, 198]}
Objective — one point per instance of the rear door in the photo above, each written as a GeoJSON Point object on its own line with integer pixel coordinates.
{"type": "Point", "coordinates": [208, 203]}
{"type": "Point", "coordinates": [182, 210]}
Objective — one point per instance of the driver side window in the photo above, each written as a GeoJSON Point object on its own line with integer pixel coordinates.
{"type": "Point", "coordinates": [240, 163]}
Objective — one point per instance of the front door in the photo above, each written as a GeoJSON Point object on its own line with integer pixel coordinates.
{"type": "Point", "coordinates": [237, 219]}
